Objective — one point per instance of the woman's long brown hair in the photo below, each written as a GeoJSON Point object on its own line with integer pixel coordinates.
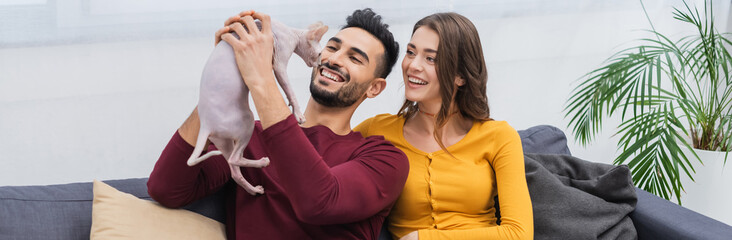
{"type": "Point", "coordinates": [459, 54]}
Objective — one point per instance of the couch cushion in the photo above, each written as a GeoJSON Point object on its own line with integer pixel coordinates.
{"type": "Point", "coordinates": [123, 216]}
{"type": "Point", "coordinates": [64, 211]}
{"type": "Point", "coordinates": [577, 199]}
{"type": "Point", "coordinates": [544, 139]}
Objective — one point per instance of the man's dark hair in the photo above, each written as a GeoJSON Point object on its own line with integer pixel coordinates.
{"type": "Point", "coordinates": [368, 20]}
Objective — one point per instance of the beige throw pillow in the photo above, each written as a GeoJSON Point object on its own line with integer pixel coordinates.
{"type": "Point", "coordinates": [118, 215]}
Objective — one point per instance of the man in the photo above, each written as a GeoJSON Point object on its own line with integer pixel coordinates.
{"type": "Point", "coordinates": [324, 181]}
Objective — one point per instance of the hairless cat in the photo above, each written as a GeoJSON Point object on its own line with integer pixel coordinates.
{"type": "Point", "coordinates": [223, 105]}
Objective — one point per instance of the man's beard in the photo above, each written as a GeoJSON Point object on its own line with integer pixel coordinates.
{"type": "Point", "coordinates": [345, 96]}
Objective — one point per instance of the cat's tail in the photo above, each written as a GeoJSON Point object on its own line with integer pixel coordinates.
{"type": "Point", "coordinates": [200, 144]}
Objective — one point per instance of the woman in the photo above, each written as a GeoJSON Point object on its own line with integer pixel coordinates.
{"type": "Point", "coordinates": [460, 159]}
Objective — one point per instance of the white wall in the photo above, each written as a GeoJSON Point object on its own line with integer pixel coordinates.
{"type": "Point", "coordinates": [98, 93]}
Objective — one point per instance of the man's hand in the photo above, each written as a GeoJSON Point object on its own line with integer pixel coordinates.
{"type": "Point", "coordinates": [228, 22]}
{"type": "Point", "coordinates": [411, 236]}
{"type": "Point", "coordinates": [253, 51]}
{"type": "Point", "coordinates": [190, 128]}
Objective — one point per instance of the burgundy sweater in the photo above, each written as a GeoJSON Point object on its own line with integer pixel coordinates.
{"type": "Point", "coordinates": [319, 185]}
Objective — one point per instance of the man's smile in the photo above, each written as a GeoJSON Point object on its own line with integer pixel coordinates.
{"type": "Point", "coordinates": [331, 75]}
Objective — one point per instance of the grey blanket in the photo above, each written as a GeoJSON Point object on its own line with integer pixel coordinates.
{"type": "Point", "coordinates": [577, 199]}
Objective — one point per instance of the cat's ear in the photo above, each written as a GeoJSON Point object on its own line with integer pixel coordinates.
{"type": "Point", "coordinates": [315, 25]}
{"type": "Point", "coordinates": [316, 31]}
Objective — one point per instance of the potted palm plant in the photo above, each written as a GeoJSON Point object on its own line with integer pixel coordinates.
{"type": "Point", "coordinates": [666, 91]}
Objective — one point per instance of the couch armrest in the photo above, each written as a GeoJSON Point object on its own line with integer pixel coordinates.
{"type": "Point", "coordinates": [657, 218]}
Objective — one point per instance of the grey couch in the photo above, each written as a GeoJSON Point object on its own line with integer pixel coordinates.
{"type": "Point", "coordinates": [64, 211]}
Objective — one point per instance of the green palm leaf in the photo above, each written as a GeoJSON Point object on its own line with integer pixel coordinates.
{"type": "Point", "coordinates": [662, 88]}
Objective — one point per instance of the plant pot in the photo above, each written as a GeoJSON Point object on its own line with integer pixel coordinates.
{"type": "Point", "coordinates": [711, 192]}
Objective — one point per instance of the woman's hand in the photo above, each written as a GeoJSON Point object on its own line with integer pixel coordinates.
{"type": "Point", "coordinates": [228, 22]}
{"type": "Point", "coordinates": [411, 236]}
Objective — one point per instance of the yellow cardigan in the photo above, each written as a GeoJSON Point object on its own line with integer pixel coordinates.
{"type": "Point", "coordinates": [448, 198]}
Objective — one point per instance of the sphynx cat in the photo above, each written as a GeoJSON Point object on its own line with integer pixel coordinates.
{"type": "Point", "coordinates": [223, 105]}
